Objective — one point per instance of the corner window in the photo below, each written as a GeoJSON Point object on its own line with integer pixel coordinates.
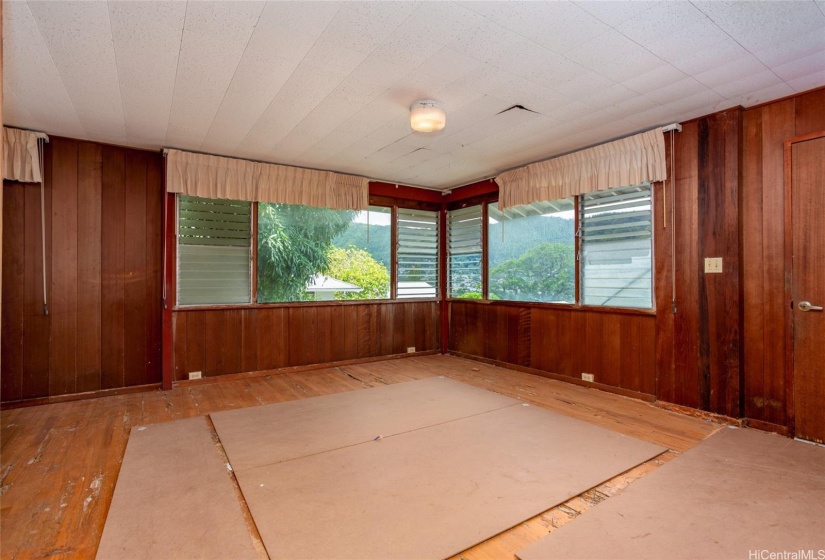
{"type": "Point", "coordinates": [532, 252]}
{"type": "Point", "coordinates": [213, 251]}
{"type": "Point", "coordinates": [616, 247]}
{"type": "Point", "coordinates": [417, 254]}
{"type": "Point", "coordinates": [310, 254]}
{"type": "Point", "coordinates": [464, 229]}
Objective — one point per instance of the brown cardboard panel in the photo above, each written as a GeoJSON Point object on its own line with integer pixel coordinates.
{"type": "Point", "coordinates": [174, 499]}
{"type": "Point", "coordinates": [432, 492]}
{"type": "Point", "coordinates": [736, 494]}
{"type": "Point", "coordinates": [269, 434]}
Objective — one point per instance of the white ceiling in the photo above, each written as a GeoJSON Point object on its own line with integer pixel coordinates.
{"type": "Point", "coordinates": [327, 85]}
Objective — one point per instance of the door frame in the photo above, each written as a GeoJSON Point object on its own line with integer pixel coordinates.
{"type": "Point", "coordinates": [788, 264]}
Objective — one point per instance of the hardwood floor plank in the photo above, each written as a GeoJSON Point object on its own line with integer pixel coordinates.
{"type": "Point", "coordinates": [60, 462]}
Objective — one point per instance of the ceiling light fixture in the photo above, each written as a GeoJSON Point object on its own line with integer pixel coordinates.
{"type": "Point", "coordinates": [427, 116]}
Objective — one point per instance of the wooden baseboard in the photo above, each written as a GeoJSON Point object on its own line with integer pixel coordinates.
{"type": "Point", "coordinates": [297, 369]}
{"type": "Point", "coordinates": [768, 427]}
{"type": "Point", "coordinates": [558, 377]}
{"type": "Point", "coordinates": [704, 414]}
{"type": "Point", "coordinates": [79, 396]}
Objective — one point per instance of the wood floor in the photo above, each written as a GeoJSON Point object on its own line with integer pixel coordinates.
{"type": "Point", "coordinates": [60, 462]}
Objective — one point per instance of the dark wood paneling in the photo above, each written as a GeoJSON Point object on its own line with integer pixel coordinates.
{"type": "Point", "coordinates": [618, 348]}
{"type": "Point", "coordinates": [63, 281]}
{"type": "Point", "coordinates": [89, 236]}
{"type": "Point", "coordinates": [766, 128]}
{"type": "Point", "coordinates": [224, 341]}
{"type": "Point", "coordinates": [14, 258]}
{"type": "Point", "coordinates": [102, 207]}
{"type": "Point", "coordinates": [719, 306]}
{"type": "Point", "coordinates": [113, 267]}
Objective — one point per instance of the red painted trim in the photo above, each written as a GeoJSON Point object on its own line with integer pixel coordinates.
{"type": "Point", "coordinates": [442, 281]}
{"type": "Point", "coordinates": [486, 187]}
{"type": "Point", "coordinates": [378, 188]}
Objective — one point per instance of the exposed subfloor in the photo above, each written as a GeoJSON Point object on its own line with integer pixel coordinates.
{"type": "Point", "coordinates": [60, 462]}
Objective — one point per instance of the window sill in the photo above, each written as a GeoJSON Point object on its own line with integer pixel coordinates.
{"type": "Point", "coordinates": [288, 304]}
{"type": "Point", "coordinates": [559, 306]}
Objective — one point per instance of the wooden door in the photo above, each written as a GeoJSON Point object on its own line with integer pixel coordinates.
{"type": "Point", "coordinates": [808, 286]}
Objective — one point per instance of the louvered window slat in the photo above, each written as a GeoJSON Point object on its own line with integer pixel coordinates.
{"type": "Point", "coordinates": [464, 251]}
{"type": "Point", "coordinates": [616, 247]}
{"type": "Point", "coordinates": [417, 253]}
{"type": "Point", "coordinates": [213, 251]}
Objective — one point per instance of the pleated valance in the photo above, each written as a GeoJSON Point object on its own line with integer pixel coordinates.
{"type": "Point", "coordinates": [629, 161]}
{"type": "Point", "coordinates": [237, 179]}
{"type": "Point", "coordinates": [21, 157]}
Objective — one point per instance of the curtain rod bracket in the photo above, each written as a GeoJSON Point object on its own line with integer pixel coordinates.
{"type": "Point", "coordinates": [675, 126]}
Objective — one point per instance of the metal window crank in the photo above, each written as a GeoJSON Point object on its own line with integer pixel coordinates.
{"type": "Point", "coordinates": [806, 306]}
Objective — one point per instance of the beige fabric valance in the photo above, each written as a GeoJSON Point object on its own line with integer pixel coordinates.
{"type": "Point", "coordinates": [629, 161]}
{"type": "Point", "coordinates": [21, 158]}
{"type": "Point", "coordinates": [221, 177]}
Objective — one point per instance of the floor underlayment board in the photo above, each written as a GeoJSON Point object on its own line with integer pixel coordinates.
{"type": "Point", "coordinates": [735, 495]}
{"type": "Point", "coordinates": [442, 478]}
{"type": "Point", "coordinates": [174, 499]}
{"type": "Point", "coordinates": [272, 433]}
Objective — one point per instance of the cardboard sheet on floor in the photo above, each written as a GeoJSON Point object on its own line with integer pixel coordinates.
{"type": "Point", "coordinates": [737, 494]}
{"type": "Point", "coordinates": [174, 499]}
{"type": "Point", "coordinates": [432, 492]}
{"type": "Point", "coordinates": [272, 433]}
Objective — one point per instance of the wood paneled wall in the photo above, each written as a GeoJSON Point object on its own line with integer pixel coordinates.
{"type": "Point", "coordinates": [221, 341]}
{"type": "Point", "coordinates": [103, 261]}
{"type": "Point", "coordinates": [724, 348]}
{"type": "Point", "coordinates": [617, 347]}
{"type": "Point", "coordinates": [763, 254]}
{"type": "Point", "coordinates": [699, 347]}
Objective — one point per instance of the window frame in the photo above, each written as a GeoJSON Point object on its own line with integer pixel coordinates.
{"type": "Point", "coordinates": [486, 200]}
{"type": "Point", "coordinates": [172, 270]}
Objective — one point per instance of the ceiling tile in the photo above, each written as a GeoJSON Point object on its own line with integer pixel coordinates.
{"type": "Point", "coordinates": [283, 35]}
{"type": "Point", "coordinates": [731, 71]}
{"type": "Point", "coordinates": [808, 82]}
{"type": "Point", "coordinates": [654, 79]}
{"type": "Point", "coordinates": [614, 56]}
{"type": "Point", "coordinates": [36, 83]}
{"type": "Point", "coordinates": [755, 24]}
{"type": "Point", "coordinates": [798, 47]}
{"type": "Point", "coordinates": [614, 13]}
{"type": "Point", "coordinates": [147, 39]}
{"type": "Point", "coordinates": [802, 66]}
{"type": "Point", "coordinates": [206, 66]}
{"type": "Point", "coordinates": [660, 21]}
{"type": "Point", "coordinates": [353, 29]}
{"type": "Point", "coordinates": [79, 39]}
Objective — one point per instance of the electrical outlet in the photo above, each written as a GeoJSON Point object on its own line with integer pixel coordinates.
{"type": "Point", "coordinates": [410, 349]}
{"type": "Point", "coordinates": [713, 265]}
{"type": "Point", "coordinates": [588, 377]}
{"type": "Point", "coordinates": [194, 375]}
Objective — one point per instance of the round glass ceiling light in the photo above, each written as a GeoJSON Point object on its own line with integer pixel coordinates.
{"type": "Point", "coordinates": [427, 116]}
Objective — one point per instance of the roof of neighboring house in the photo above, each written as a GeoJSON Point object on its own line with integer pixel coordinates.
{"type": "Point", "coordinates": [322, 283]}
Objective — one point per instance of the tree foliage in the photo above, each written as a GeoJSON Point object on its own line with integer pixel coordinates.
{"type": "Point", "coordinates": [358, 267]}
{"type": "Point", "coordinates": [293, 243]}
{"type": "Point", "coordinates": [544, 273]}
{"type": "Point", "coordinates": [373, 237]}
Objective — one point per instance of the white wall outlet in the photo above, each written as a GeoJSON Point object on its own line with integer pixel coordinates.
{"type": "Point", "coordinates": [713, 265]}
{"type": "Point", "coordinates": [194, 375]}
{"type": "Point", "coordinates": [410, 349]}
{"type": "Point", "coordinates": [588, 377]}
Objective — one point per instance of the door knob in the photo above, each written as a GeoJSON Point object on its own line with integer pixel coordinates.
{"type": "Point", "coordinates": [806, 306]}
